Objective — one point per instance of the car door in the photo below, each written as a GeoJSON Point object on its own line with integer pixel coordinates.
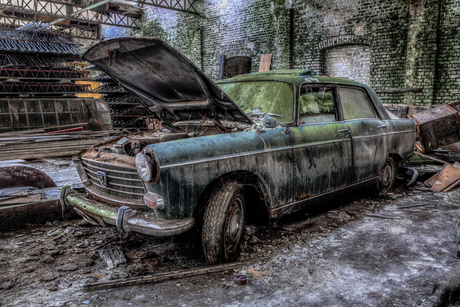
{"type": "Point", "coordinates": [367, 130]}
{"type": "Point", "coordinates": [321, 143]}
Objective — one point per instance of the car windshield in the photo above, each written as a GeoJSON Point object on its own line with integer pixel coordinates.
{"type": "Point", "coordinates": [263, 97]}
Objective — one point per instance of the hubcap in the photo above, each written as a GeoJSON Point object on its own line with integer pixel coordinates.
{"type": "Point", "coordinates": [386, 175]}
{"type": "Point", "coordinates": [234, 225]}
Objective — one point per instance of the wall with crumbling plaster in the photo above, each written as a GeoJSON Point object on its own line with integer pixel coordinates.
{"type": "Point", "coordinates": [406, 44]}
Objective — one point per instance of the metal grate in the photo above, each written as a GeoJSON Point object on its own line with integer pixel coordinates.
{"type": "Point", "coordinates": [41, 88]}
{"type": "Point", "coordinates": [121, 181]}
{"type": "Point", "coordinates": [34, 61]}
{"type": "Point", "coordinates": [37, 73]}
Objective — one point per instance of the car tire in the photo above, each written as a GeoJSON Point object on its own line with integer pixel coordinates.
{"type": "Point", "coordinates": [223, 224]}
{"type": "Point", "coordinates": [387, 177]}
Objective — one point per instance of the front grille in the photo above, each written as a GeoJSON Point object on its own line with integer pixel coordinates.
{"type": "Point", "coordinates": [121, 181]}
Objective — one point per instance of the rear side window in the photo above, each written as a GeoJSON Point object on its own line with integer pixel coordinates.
{"type": "Point", "coordinates": [355, 104]}
{"type": "Point", "coordinates": [316, 105]}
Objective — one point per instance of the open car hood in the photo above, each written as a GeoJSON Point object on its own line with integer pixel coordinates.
{"type": "Point", "coordinates": [164, 80]}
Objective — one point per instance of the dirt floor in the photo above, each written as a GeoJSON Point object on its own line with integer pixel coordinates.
{"type": "Point", "coordinates": [335, 256]}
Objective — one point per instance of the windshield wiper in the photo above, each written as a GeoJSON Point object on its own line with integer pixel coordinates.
{"type": "Point", "coordinates": [260, 113]}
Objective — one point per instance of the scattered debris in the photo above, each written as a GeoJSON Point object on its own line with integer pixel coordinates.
{"type": "Point", "coordinates": [38, 146]}
{"type": "Point", "coordinates": [410, 206]}
{"type": "Point", "coordinates": [410, 172]}
{"type": "Point", "coordinates": [112, 256]}
{"type": "Point", "coordinates": [166, 276]}
{"type": "Point", "coordinates": [431, 158]}
{"type": "Point", "coordinates": [446, 179]}
{"type": "Point", "coordinates": [437, 127]}
{"type": "Point", "coordinates": [240, 280]}
{"type": "Point", "coordinates": [377, 214]}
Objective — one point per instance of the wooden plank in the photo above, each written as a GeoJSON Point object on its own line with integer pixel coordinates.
{"type": "Point", "coordinates": [45, 129]}
{"type": "Point", "coordinates": [399, 90]}
{"type": "Point", "coordinates": [448, 176]}
{"type": "Point", "coordinates": [166, 276]}
{"type": "Point", "coordinates": [453, 185]}
{"type": "Point", "coordinates": [221, 67]}
{"type": "Point", "coordinates": [265, 62]}
{"type": "Point", "coordinates": [46, 145]}
{"type": "Point", "coordinates": [432, 158]}
{"type": "Point", "coordinates": [60, 152]}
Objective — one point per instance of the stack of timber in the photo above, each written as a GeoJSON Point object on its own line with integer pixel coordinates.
{"type": "Point", "coordinates": [42, 144]}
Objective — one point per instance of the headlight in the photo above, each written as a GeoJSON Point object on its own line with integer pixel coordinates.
{"type": "Point", "coordinates": [147, 166]}
{"type": "Point", "coordinates": [144, 166]}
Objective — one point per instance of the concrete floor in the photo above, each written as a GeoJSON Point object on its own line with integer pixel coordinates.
{"type": "Point", "coordinates": [334, 257]}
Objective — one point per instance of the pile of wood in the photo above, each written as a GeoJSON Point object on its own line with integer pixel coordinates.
{"type": "Point", "coordinates": [38, 143]}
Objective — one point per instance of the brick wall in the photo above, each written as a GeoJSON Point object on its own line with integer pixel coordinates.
{"type": "Point", "coordinates": [351, 61]}
{"type": "Point", "coordinates": [407, 45]}
{"type": "Point", "coordinates": [448, 60]}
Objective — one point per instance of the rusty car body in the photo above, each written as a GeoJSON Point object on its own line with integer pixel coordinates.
{"type": "Point", "coordinates": [253, 146]}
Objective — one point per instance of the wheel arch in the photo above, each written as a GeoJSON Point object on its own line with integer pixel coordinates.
{"type": "Point", "coordinates": [255, 192]}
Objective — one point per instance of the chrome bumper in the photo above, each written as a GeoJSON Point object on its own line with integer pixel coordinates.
{"type": "Point", "coordinates": [125, 218]}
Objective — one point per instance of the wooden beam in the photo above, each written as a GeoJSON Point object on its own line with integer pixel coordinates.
{"type": "Point", "coordinates": [399, 90]}
{"type": "Point", "coordinates": [138, 280]}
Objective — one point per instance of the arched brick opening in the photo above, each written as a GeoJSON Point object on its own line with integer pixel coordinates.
{"type": "Point", "coordinates": [351, 61]}
{"type": "Point", "coordinates": [346, 56]}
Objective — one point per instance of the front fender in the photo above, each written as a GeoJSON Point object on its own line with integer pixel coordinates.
{"type": "Point", "coordinates": [188, 166]}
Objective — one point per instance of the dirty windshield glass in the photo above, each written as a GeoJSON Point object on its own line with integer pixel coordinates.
{"type": "Point", "coordinates": [263, 97]}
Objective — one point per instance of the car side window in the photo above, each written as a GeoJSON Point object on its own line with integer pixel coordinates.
{"type": "Point", "coordinates": [355, 104]}
{"type": "Point", "coordinates": [316, 105]}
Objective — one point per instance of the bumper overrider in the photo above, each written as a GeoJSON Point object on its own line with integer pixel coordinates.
{"type": "Point", "coordinates": [124, 218]}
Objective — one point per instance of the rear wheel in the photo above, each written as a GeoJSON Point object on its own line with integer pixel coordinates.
{"type": "Point", "coordinates": [387, 176]}
{"type": "Point", "coordinates": [223, 224]}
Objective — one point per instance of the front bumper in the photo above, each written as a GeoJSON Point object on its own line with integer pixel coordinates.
{"type": "Point", "coordinates": [125, 218]}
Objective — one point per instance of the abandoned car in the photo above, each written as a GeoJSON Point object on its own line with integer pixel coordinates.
{"type": "Point", "coordinates": [254, 146]}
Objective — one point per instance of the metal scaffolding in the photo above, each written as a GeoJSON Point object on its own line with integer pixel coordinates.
{"type": "Point", "coordinates": [41, 73]}
{"type": "Point", "coordinates": [86, 32]}
{"type": "Point", "coordinates": [185, 6]}
{"type": "Point", "coordinates": [82, 18]}
{"type": "Point", "coordinates": [47, 88]}
{"type": "Point", "coordinates": [34, 9]}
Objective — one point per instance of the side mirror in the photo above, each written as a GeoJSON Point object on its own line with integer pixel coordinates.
{"type": "Point", "coordinates": [269, 122]}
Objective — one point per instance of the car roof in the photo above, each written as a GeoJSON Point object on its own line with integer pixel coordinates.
{"type": "Point", "coordinates": [299, 76]}
{"type": "Point", "coordinates": [296, 76]}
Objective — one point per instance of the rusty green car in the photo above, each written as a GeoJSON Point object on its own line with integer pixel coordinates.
{"type": "Point", "coordinates": [252, 147]}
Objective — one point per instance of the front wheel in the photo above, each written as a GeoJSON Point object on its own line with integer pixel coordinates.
{"type": "Point", "coordinates": [223, 224]}
{"type": "Point", "coordinates": [387, 176]}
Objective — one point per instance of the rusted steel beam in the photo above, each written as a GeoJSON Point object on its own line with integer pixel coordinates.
{"type": "Point", "coordinates": [53, 10]}
{"type": "Point", "coordinates": [185, 6]}
{"type": "Point", "coordinates": [71, 30]}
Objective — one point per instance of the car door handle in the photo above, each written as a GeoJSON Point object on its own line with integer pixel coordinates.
{"type": "Point", "coordinates": [346, 131]}
{"type": "Point", "coordinates": [384, 127]}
